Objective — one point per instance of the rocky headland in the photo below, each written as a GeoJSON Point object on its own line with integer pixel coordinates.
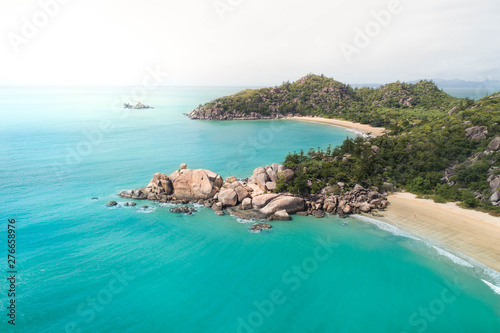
{"type": "Point", "coordinates": [254, 197]}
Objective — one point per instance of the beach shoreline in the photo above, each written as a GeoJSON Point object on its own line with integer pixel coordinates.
{"type": "Point", "coordinates": [361, 128]}
{"type": "Point", "coordinates": [470, 232]}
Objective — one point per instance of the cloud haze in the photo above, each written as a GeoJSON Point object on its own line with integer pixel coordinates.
{"type": "Point", "coordinates": [246, 42]}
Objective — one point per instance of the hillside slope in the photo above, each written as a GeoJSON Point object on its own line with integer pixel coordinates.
{"type": "Point", "coordinates": [320, 96]}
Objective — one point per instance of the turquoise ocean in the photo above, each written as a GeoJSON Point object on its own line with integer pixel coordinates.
{"type": "Point", "coordinates": [83, 267]}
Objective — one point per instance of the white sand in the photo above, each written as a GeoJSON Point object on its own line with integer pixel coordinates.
{"type": "Point", "coordinates": [362, 128]}
{"type": "Point", "coordinates": [473, 233]}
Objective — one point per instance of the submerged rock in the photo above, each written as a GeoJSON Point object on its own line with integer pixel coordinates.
{"type": "Point", "coordinates": [258, 227]}
{"type": "Point", "coordinates": [183, 209]}
{"type": "Point", "coordinates": [112, 204]}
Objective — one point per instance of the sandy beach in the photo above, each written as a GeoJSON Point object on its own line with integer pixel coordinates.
{"type": "Point", "coordinates": [470, 232]}
{"type": "Point", "coordinates": [362, 128]}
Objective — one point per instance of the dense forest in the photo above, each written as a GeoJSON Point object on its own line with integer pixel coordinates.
{"type": "Point", "coordinates": [435, 145]}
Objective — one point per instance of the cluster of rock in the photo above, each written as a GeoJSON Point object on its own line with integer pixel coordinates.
{"type": "Point", "coordinates": [183, 209]}
{"type": "Point", "coordinates": [138, 106]}
{"type": "Point", "coordinates": [476, 132]}
{"type": "Point", "coordinates": [126, 204]}
{"type": "Point", "coordinates": [251, 198]}
{"type": "Point", "coordinates": [358, 200]}
{"type": "Point", "coordinates": [494, 179]}
{"type": "Point", "coordinates": [182, 186]}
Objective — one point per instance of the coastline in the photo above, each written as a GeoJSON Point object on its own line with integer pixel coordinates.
{"type": "Point", "coordinates": [470, 232]}
{"type": "Point", "coordinates": [361, 128]}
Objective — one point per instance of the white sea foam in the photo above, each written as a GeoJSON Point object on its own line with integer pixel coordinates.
{"type": "Point", "coordinates": [496, 289]}
{"type": "Point", "coordinates": [146, 210]}
{"type": "Point", "coordinates": [386, 226]}
{"type": "Point", "coordinates": [240, 220]}
{"type": "Point", "coordinates": [453, 257]}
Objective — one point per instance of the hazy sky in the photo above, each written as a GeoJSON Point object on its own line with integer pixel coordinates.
{"type": "Point", "coordinates": [246, 42]}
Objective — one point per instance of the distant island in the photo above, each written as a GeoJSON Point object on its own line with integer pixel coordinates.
{"type": "Point", "coordinates": [138, 106]}
{"type": "Point", "coordinates": [435, 145]}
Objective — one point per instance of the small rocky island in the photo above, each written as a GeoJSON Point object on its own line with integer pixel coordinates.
{"type": "Point", "coordinates": [254, 197]}
{"type": "Point", "coordinates": [138, 106]}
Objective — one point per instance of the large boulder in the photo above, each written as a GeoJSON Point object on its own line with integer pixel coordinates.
{"type": "Point", "coordinates": [231, 179]}
{"type": "Point", "coordinates": [246, 203]}
{"type": "Point", "coordinates": [228, 197]}
{"type": "Point", "coordinates": [262, 179]}
{"type": "Point", "coordinates": [495, 184]}
{"type": "Point", "coordinates": [139, 195]}
{"type": "Point", "coordinates": [291, 204]}
{"type": "Point", "coordinates": [193, 185]}
{"type": "Point", "coordinates": [365, 207]}
{"type": "Point", "coordinates": [476, 132]}
{"type": "Point", "coordinates": [160, 184]}
{"type": "Point", "coordinates": [240, 190]}
{"type": "Point", "coordinates": [287, 175]}
{"type": "Point", "coordinates": [261, 201]}
{"type": "Point", "coordinates": [271, 174]}
{"type": "Point", "coordinates": [358, 188]}
{"type": "Point", "coordinates": [270, 186]}
{"type": "Point", "coordinates": [329, 206]}
{"type": "Point", "coordinates": [495, 144]}
{"type": "Point", "coordinates": [281, 215]}
{"type": "Point", "coordinates": [126, 194]}
{"type": "Point", "coordinates": [258, 171]}
{"type": "Point", "coordinates": [255, 190]}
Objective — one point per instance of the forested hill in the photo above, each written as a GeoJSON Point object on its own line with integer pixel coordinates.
{"type": "Point", "coordinates": [455, 157]}
{"type": "Point", "coordinates": [436, 145]}
{"type": "Point", "coordinates": [392, 104]}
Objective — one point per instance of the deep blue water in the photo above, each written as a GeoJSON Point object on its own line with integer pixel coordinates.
{"type": "Point", "coordinates": [83, 267]}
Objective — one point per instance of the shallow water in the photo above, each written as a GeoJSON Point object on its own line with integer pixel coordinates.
{"type": "Point", "coordinates": [83, 267]}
